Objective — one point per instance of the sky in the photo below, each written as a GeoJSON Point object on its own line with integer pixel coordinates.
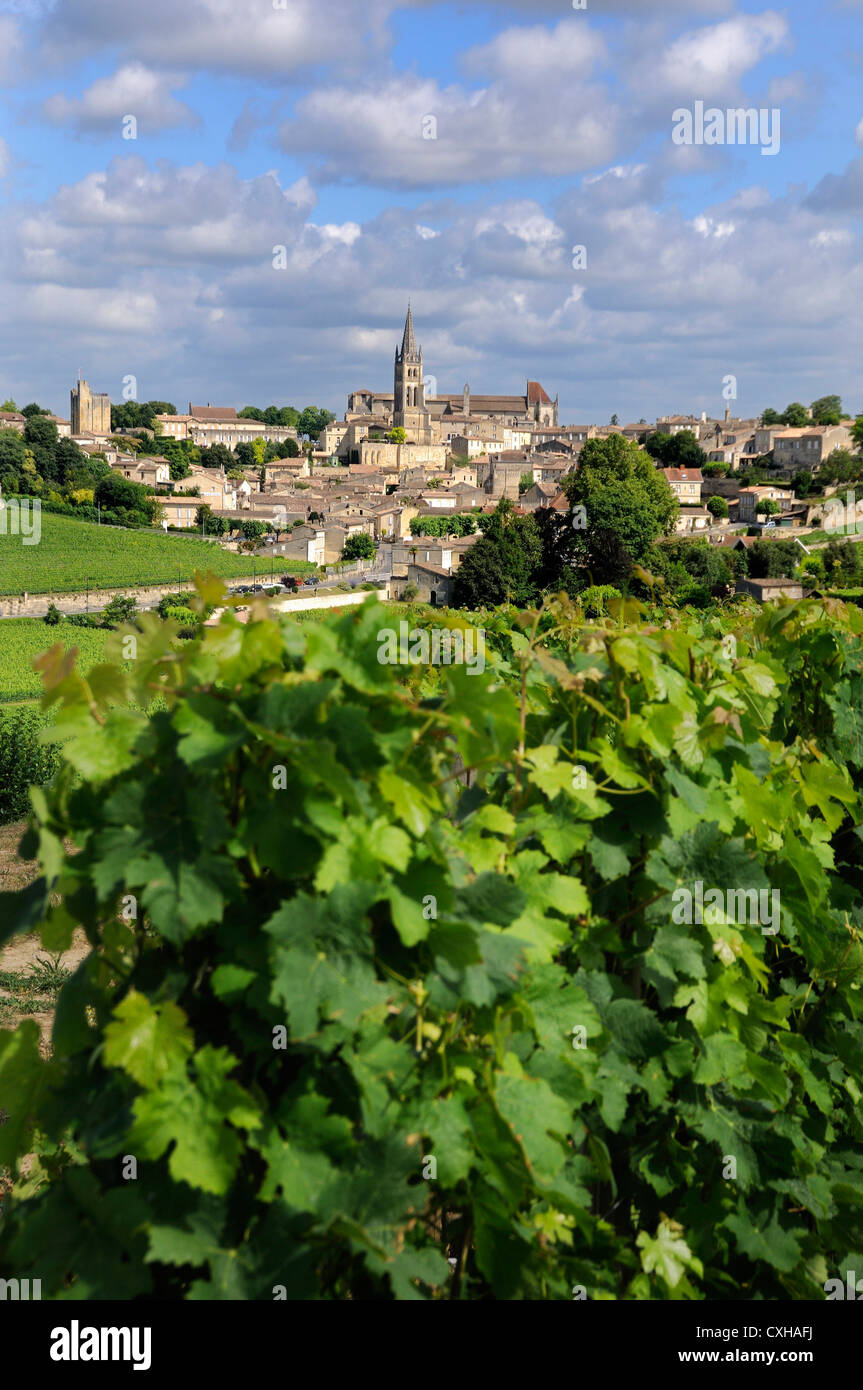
{"type": "Point", "coordinates": [231, 201]}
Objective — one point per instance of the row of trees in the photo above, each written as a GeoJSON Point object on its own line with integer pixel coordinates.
{"type": "Point", "coordinates": [458, 524]}
{"type": "Point", "coordinates": [307, 422]}
{"type": "Point", "coordinates": [827, 410]}
{"type": "Point", "coordinates": [133, 415]}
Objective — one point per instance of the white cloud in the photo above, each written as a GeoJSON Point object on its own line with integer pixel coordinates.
{"type": "Point", "coordinates": [710, 59]}
{"type": "Point", "coordinates": [241, 36]}
{"type": "Point", "coordinates": [665, 299]}
{"type": "Point", "coordinates": [132, 90]}
{"type": "Point", "coordinates": [537, 113]}
{"type": "Point", "coordinates": [707, 227]}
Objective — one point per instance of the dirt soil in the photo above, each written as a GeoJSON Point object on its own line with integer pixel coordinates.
{"type": "Point", "coordinates": [23, 951]}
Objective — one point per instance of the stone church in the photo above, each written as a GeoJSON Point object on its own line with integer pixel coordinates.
{"type": "Point", "coordinates": [434, 420]}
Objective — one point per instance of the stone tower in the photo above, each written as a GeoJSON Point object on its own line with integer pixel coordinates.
{"type": "Point", "coordinates": [409, 406]}
{"type": "Point", "coordinates": [90, 411]}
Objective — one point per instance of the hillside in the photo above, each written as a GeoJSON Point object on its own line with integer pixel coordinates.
{"type": "Point", "coordinates": [72, 553]}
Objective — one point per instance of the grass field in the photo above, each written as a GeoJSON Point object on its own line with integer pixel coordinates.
{"type": "Point", "coordinates": [23, 638]}
{"type": "Point", "coordinates": [72, 553]}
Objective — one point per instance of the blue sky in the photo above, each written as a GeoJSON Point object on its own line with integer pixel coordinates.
{"type": "Point", "coordinates": [266, 123]}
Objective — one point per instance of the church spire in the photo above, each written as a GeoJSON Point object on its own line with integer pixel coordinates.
{"type": "Point", "coordinates": [409, 346]}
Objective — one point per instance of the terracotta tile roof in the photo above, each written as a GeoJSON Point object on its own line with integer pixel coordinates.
{"type": "Point", "coordinates": [212, 412]}
{"type": "Point", "coordinates": [683, 475]}
{"type": "Point", "coordinates": [536, 395]}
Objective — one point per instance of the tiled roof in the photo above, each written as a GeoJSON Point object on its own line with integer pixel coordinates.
{"type": "Point", "coordinates": [212, 412]}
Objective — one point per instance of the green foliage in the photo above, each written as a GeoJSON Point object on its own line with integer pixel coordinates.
{"type": "Point", "coordinates": [24, 759]}
{"type": "Point", "coordinates": [217, 456]}
{"type": "Point", "coordinates": [346, 964]}
{"type": "Point", "coordinates": [841, 560]}
{"type": "Point", "coordinates": [773, 559]}
{"type": "Point", "coordinates": [23, 639]}
{"type": "Point", "coordinates": [453, 524]}
{"type": "Point", "coordinates": [680, 450]}
{"type": "Point", "coordinates": [827, 410]}
{"type": "Point", "coordinates": [505, 565]}
{"type": "Point", "coordinates": [717, 506]}
{"type": "Point", "coordinates": [272, 415]}
{"type": "Point", "coordinates": [312, 420]}
{"type": "Point", "coordinates": [131, 415]}
{"type": "Point", "coordinates": [795, 415]}
{"type": "Point", "coordinates": [627, 502]}
{"type": "Point", "coordinates": [358, 547]}
{"type": "Point", "coordinates": [127, 498]}
{"type": "Point", "coordinates": [120, 608]}
{"type": "Point", "coordinates": [841, 466]}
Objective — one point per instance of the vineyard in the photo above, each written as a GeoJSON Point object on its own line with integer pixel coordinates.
{"type": "Point", "coordinates": [397, 991]}
{"type": "Point", "coordinates": [22, 639]}
{"type": "Point", "coordinates": [72, 554]}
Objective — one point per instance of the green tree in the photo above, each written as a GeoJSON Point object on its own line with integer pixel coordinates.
{"type": "Point", "coordinates": [121, 609]}
{"type": "Point", "coordinates": [795, 415]}
{"type": "Point", "coordinates": [481, 580]}
{"type": "Point", "coordinates": [397, 435]}
{"type": "Point", "coordinates": [513, 574]}
{"type": "Point", "coordinates": [9, 404]}
{"type": "Point", "coordinates": [627, 505]}
{"type": "Point", "coordinates": [840, 466]}
{"type": "Point", "coordinates": [802, 483]}
{"type": "Point", "coordinates": [827, 410]}
{"type": "Point", "coordinates": [128, 499]}
{"type": "Point", "coordinates": [312, 420]}
{"type": "Point", "coordinates": [680, 450]}
{"type": "Point", "coordinates": [773, 559]}
{"type": "Point", "coordinates": [217, 456]}
{"type": "Point", "coordinates": [13, 451]}
{"type": "Point", "coordinates": [358, 547]}
{"type": "Point", "coordinates": [717, 506]}
{"type": "Point", "coordinates": [525, 483]}
{"type": "Point", "coordinates": [842, 562]}
{"type": "Point", "coordinates": [771, 417]}
{"type": "Point", "coordinates": [40, 434]}
{"type": "Point", "coordinates": [767, 507]}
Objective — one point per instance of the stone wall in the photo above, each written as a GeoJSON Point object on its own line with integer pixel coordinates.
{"type": "Point", "coordinates": [37, 605]}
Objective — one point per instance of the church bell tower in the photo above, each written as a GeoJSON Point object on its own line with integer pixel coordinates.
{"type": "Point", "coordinates": [409, 406]}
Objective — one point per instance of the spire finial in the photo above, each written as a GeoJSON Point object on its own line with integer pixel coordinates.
{"type": "Point", "coordinates": [408, 342]}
